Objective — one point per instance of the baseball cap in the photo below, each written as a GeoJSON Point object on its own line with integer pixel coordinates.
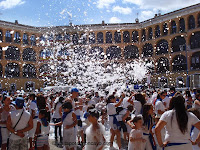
{"type": "Point", "coordinates": [74, 90]}
{"type": "Point", "coordinates": [19, 101]}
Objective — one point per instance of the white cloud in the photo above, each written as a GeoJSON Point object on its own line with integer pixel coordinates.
{"type": "Point", "coordinates": [114, 20]}
{"type": "Point", "coordinates": [122, 10]}
{"type": "Point", "coordinates": [165, 5]}
{"type": "Point", "coordinates": [146, 14]}
{"type": "Point", "coordinates": [104, 3]}
{"type": "Point", "coordinates": [8, 4]}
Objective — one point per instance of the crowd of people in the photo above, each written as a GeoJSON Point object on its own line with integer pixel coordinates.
{"type": "Point", "coordinates": [142, 120]}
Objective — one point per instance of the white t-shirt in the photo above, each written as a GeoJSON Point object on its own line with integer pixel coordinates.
{"type": "Point", "coordinates": [33, 106]}
{"type": "Point", "coordinates": [173, 133]}
{"type": "Point", "coordinates": [167, 101]}
{"type": "Point", "coordinates": [56, 113]}
{"type": "Point", "coordinates": [159, 106]}
{"type": "Point", "coordinates": [125, 102]}
{"type": "Point", "coordinates": [111, 109]}
{"type": "Point", "coordinates": [137, 106]}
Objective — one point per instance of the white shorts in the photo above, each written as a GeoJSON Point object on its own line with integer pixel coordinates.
{"type": "Point", "coordinates": [180, 147]}
{"type": "Point", "coordinates": [69, 138]}
{"type": "Point", "coordinates": [31, 133]}
{"type": "Point", "coordinates": [4, 134]}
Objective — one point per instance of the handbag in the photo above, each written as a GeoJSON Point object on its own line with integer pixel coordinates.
{"type": "Point", "coordinates": [14, 129]}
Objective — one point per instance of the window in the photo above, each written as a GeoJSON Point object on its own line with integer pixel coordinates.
{"type": "Point", "coordinates": [59, 37]}
{"type": "Point", "coordinates": [117, 37]}
{"type": "Point", "coordinates": [180, 82]}
{"type": "Point", "coordinates": [96, 52]}
{"type": "Point", "coordinates": [29, 55]}
{"type": "Point", "coordinates": [91, 37]}
{"type": "Point", "coordinates": [45, 54]}
{"type": "Point", "coordinates": [1, 52]}
{"type": "Point", "coordinates": [33, 40]}
{"type": "Point", "coordinates": [62, 68]}
{"type": "Point", "coordinates": [67, 37]}
{"type": "Point", "coordinates": [195, 61]}
{"type": "Point", "coordinates": [191, 22]}
{"type": "Point", "coordinates": [150, 33]}
{"type": "Point", "coordinates": [179, 63]}
{"type": "Point", "coordinates": [42, 38]}
{"type": "Point", "coordinates": [165, 29]}
{"type": "Point", "coordinates": [162, 47]}
{"type": "Point", "coordinates": [83, 39]}
{"type": "Point", "coordinates": [178, 44]}
{"type": "Point", "coordinates": [1, 36]}
{"type": "Point", "coordinates": [1, 71]}
{"type": "Point", "coordinates": [182, 25]}
{"type": "Point", "coordinates": [44, 69]}
{"type": "Point", "coordinates": [126, 37]}
{"type": "Point", "coordinates": [157, 31]}
{"type": "Point", "coordinates": [147, 50]}
{"type": "Point", "coordinates": [75, 38]}
{"type": "Point", "coordinates": [143, 35]}
{"type": "Point", "coordinates": [198, 21]}
{"type": "Point", "coordinates": [131, 52]}
{"type": "Point", "coordinates": [113, 52]}
{"type": "Point", "coordinates": [162, 65]}
{"type": "Point", "coordinates": [29, 71]}
{"type": "Point", "coordinates": [100, 37]}
{"type": "Point", "coordinates": [25, 38]}
{"type": "Point", "coordinates": [8, 36]}
{"type": "Point", "coordinates": [163, 83]}
{"type": "Point", "coordinates": [12, 53]}
{"type": "Point", "coordinates": [195, 40]}
{"type": "Point", "coordinates": [108, 37]}
{"type": "Point", "coordinates": [80, 51]}
{"type": "Point", "coordinates": [12, 70]}
{"type": "Point", "coordinates": [173, 27]}
{"type": "Point", "coordinates": [17, 37]}
{"type": "Point", "coordinates": [135, 36]}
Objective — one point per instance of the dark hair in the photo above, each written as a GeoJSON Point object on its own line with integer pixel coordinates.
{"type": "Point", "coordinates": [145, 113]}
{"type": "Point", "coordinates": [187, 93]}
{"type": "Point", "coordinates": [67, 105]}
{"type": "Point", "coordinates": [136, 119]}
{"type": "Point", "coordinates": [41, 103]}
{"type": "Point", "coordinates": [197, 95]}
{"type": "Point", "coordinates": [110, 98]}
{"type": "Point", "coordinates": [90, 107]}
{"type": "Point", "coordinates": [139, 97]}
{"type": "Point", "coordinates": [32, 95]}
{"type": "Point", "coordinates": [4, 98]}
{"type": "Point", "coordinates": [178, 104]}
{"type": "Point", "coordinates": [94, 113]}
{"type": "Point", "coordinates": [46, 114]}
{"type": "Point", "coordinates": [60, 100]}
{"type": "Point", "coordinates": [195, 112]}
{"type": "Point", "coordinates": [130, 108]}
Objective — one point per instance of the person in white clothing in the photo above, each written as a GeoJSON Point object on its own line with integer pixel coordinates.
{"type": "Point", "coordinates": [57, 114]}
{"type": "Point", "coordinates": [136, 139]}
{"type": "Point", "coordinates": [33, 110]}
{"type": "Point", "coordinates": [42, 131]}
{"type": "Point", "coordinates": [178, 123]}
{"type": "Point", "coordinates": [69, 122]}
{"type": "Point", "coordinates": [4, 112]}
{"type": "Point", "coordinates": [18, 123]}
{"type": "Point", "coordinates": [194, 131]}
{"type": "Point", "coordinates": [95, 132]}
{"type": "Point", "coordinates": [159, 106]}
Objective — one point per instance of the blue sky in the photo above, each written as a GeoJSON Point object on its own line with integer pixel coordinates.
{"type": "Point", "coordinates": [57, 12]}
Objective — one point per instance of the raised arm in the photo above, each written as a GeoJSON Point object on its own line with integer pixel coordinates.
{"type": "Point", "coordinates": [160, 125]}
